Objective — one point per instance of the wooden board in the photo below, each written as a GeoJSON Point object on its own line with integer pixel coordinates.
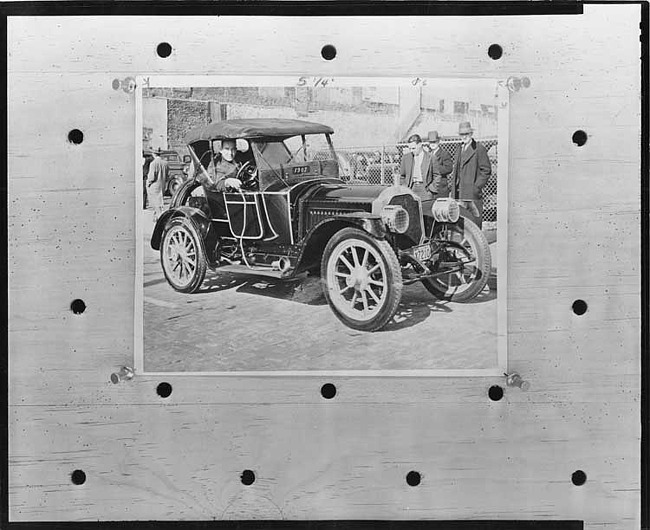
{"type": "Point", "coordinates": [573, 233]}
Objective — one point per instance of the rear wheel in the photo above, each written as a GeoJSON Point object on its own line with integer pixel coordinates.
{"type": "Point", "coordinates": [182, 256]}
{"type": "Point", "coordinates": [175, 183]}
{"type": "Point", "coordinates": [362, 279]}
{"type": "Point", "coordinates": [467, 254]}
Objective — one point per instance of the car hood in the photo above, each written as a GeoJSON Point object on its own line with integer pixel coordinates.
{"type": "Point", "coordinates": [349, 194]}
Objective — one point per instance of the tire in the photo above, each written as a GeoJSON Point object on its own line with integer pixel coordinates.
{"type": "Point", "coordinates": [468, 243]}
{"type": "Point", "coordinates": [182, 256]}
{"type": "Point", "coordinates": [174, 184]}
{"type": "Point", "coordinates": [362, 279]}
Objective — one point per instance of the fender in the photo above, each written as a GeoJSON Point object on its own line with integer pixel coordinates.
{"type": "Point", "coordinates": [198, 218]}
{"type": "Point", "coordinates": [314, 242]}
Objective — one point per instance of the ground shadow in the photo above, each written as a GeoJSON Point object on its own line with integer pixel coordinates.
{"type": "Point", "coordinates": [412, 313]}
{"type": "Point", "coordinates": [307, 291]}
{"type": "Point", "coordinates": [223, 281]}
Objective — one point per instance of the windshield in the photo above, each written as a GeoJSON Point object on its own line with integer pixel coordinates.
{"type": "Point", "coordinates": [170, 157]}
{"type": "Point", "coordinates": [276, 152]}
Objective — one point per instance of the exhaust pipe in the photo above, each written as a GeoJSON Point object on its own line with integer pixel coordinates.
{"type": "Point", "coordinates": [282, 265]}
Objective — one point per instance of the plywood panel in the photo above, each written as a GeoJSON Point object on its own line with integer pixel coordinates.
{"type": "Point", "coordinates": [573, 232]}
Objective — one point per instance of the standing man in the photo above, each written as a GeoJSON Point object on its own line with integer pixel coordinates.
{"type": "Point", "coordinates": [471, 172]}
{"type": "Point", "coordinates": [441, 166]}
{"type": "Point", "coordinates": [156, 182]}
{"type": "Point", "coordinates": [415, 169]}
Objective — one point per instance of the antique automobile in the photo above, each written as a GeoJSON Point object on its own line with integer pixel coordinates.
{"type": "Point", "coordinates": [295, 216]}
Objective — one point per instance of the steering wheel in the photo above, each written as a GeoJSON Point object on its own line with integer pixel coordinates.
{"type": "Point", "coordinates": [248, 176]}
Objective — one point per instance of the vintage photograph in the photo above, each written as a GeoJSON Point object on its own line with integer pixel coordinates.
{"type": "Point", "coordinates": [318, 225]}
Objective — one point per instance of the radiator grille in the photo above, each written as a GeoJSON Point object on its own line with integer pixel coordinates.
{"type": "Point", "coordinates": [412, 206]}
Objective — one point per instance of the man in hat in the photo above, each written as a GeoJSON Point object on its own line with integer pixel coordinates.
{"type": "Point", "coordinates": [156, 182]}
{"type": "Point", "coordinates": [415, 169]}
{"type": "Point", "coordinates": [471, 172]}
{"type": "Point", "coordinates": [441, 166]}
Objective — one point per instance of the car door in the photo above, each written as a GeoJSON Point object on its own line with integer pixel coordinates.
{"type": "Point", "coordinates": [248, 217]}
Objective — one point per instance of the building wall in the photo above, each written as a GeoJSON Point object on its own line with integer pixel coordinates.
{"type": "Point", "coordinates": [367, 116]}
{"type": "Point", "coordinates": [183, 116]}
{"type": "Point", "coordinates": [154, 123]}
{"type": "Point", "coordinates": [352, 129]}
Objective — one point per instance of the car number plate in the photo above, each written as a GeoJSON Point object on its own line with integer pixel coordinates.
{"type": "Point", "coordinates": [300, 170]}
{"type": "Point", "coordinates": [422, 253]}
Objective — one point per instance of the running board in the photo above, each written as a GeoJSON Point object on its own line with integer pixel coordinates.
{"type": "Point", "coordinates": [256, 270]}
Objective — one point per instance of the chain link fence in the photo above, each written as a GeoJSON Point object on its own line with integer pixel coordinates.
{"type": "Point", "coordinates": [380, 165]}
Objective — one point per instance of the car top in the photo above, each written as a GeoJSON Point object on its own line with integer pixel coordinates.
{"type": "Point", "coordinates": [255, 128]}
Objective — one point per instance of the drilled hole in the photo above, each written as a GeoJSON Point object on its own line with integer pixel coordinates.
{"type": "Point", "coordinates": [328, 390]}
{"type": "Point", "coordinates": [579, 477]}
{"type": "Point", "coordinates": [75, 136]}
{"type": "Point", "coordinates": [164, 49]}
{"type": "Point", "coordinates": [579, 138]}
{"type": "Point", "coordinates": [78, 306]}
{"type": "Point", "coordinates": [579, 307]}
{"type": "Point", "coordinates": [328, 52]}
{"type": "Point", "coordinates": [495, 393]}
{"type": "Point", "coordinates": [413, 478]}
{"type": "Point", "coordinates": [495, 51]}
{"type": "Point", "coordinates": [247, 477]}
{"type": "Point", "coordinates": [78, 477]}
{"type": "Point", "coordinates": [164, 390]}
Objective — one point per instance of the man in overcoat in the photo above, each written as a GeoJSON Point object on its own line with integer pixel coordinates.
{"type": "Point", "coordinates": [441, 167]}
{"type": "Point", "coordinates": [471, 172]}
{"type": "Point", "coordinates": [415, 169]}
{"type": "Point", "coordinates": [156, 182]}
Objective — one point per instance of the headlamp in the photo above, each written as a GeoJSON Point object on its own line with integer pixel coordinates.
{"type": "Point", "coordinates": [445, 210]}
{"type": "Point", "coordinates": [396, 218]}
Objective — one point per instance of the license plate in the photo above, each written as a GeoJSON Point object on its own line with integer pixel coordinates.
{"type": "Point", "coordinates": [300, 170]}
{"type": "Point", "coordinates": [422, 253]}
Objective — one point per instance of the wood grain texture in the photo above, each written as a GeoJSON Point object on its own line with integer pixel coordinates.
{"type": "Point", "coordinates": [574, 232]}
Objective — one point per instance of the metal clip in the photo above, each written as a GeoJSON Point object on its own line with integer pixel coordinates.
{"type": "Point", "coordinates": [127, 84]}
{"type": "Point", "coordinates": [515, 379]}
{"type": "Point", "coordinates": [515, 84]}
{"type": "Point", "coordinates": [125, 374]}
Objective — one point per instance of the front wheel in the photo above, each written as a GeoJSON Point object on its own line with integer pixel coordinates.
{"type": "Point", "coordinates": [466, 254]}
{"type": "Point", "coordinates": [362, 279]}
{"type": "Point", "coordinates": [182, 256]}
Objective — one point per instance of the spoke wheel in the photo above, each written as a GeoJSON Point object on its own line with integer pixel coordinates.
{"type": "Point", "coordinates": [182, 256]}
{"type": "Point", "coordinates": [466, 246]}
{"type": "Point", "coordinates": [362, 279]}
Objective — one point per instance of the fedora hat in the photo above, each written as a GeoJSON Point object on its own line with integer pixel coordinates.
{"type": "Point", "coordinates": [465, 127]}
{"type": "Point", "coordinates": [433, 136]}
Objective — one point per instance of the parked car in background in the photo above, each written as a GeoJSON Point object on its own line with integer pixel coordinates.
{"type": "Point", "coordinates": [366, 166]}
{"type": "Point", "coordinates": [178, 169]}
{"type": "Point", "coordinates": [294, 214]}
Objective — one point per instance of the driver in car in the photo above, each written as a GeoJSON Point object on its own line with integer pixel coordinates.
{"type": "Point", "coordinates": [223, 169]}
